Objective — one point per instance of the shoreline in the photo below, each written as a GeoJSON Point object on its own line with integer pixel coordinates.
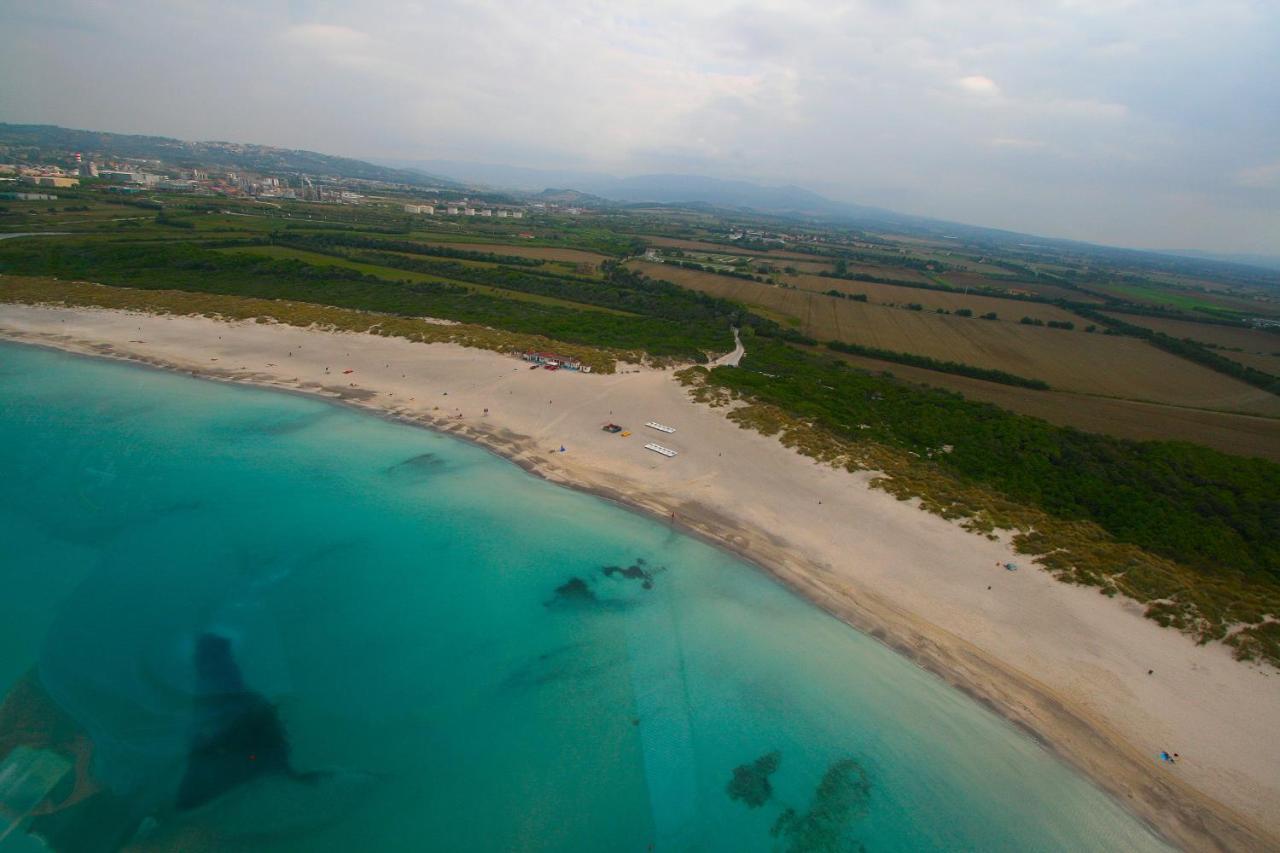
{"type": "Point", "coordinates": [1080, 736]}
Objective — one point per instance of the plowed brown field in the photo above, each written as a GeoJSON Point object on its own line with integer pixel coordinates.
{"type": "Point", "coordinates": [1249, 340]}
{"type": "Point", "coordinates": [1105, 365]}
{"type": "Point", "coordinates": [546, 253]}
{"type": "Point", "coordinates": [1243, 435]}
{"type": "Point", "coordinates": [880, 294]}
{"type": "Point", "coordinates": [1261, 350]}
{"type": "Point", "coordinates": [1049, 291]}
{"type": "Point", "coordinates": [720, 249]}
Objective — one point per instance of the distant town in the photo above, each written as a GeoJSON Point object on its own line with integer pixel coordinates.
{"type": "Point", "coordinates": [37, 171]}
{"type": "Point", "coordinates": [135, 176]}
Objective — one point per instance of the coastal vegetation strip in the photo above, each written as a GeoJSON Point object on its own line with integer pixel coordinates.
{"type": "Point", "coordinates": [284, 251]}
{"type": "Point", "coordinates": [1192, 533]}
{"type": "Point", "coordinates": [678, 323]}
{"type": "Point", "coordinates": [38, 291]}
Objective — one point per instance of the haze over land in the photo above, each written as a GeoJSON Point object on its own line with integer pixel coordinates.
{"type": "Point", "coordinates": [1136, 124]}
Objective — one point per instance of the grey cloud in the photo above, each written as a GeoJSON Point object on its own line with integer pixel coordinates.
{"type": "Point", "coordinates": [1136, 123]}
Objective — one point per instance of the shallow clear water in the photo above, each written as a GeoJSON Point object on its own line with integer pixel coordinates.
{"type": "Point", "coordinates": [394, 593]}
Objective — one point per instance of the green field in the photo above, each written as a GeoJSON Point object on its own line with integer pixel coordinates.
{"type": "Point", "coordinates": [317, 259]}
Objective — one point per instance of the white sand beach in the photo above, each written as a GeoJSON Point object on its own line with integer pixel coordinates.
{"type": "Point", "coordinates": [1064, 662]}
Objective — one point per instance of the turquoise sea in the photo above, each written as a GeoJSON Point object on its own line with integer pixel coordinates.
{"type": "Point", "coordinates": [271, 623]}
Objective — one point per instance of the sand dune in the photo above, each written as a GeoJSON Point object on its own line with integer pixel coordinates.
{"type": "Point", "coordinates": [1064, 662]}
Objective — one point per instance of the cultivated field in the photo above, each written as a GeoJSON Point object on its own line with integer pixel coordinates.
{"type": "Point", "coordinates": [880, 294]}
{"type": "Point", "coordinates": [899, 273]}
{"type": "Point", "coordinates": [1249, 340]}
{"type": "Point", "coordinates": [810, 267]}
{"type": "Point", "coordinates": [1106, 365]}
{"type": "Point", "coordinates": [1049, 291]}
{"type": "Point", "coordinates": [1267, 363]}
{"type": "Point", "coordinates": [545, 253]}
{"type": "Point", "coordinates": [719, 249]}
{"type": "Point", "coordinates": [1188, 300]}
{"type": "Point", "coordinates": [946, 252]}
{"type": "Point", "coordinates": [1243, 435]}
{"type": "Point", "coordinates": [1260, 350]}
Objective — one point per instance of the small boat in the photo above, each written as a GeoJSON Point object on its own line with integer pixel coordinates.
{"type": "Point", "coordinates": [551, 366]}
{"type": "Point", "coordinates": [626, 432]}
{"type": "Point", "coordinates": [348, 370]}
{"type": "Point", "coordinates": [611, 428]}
{"type": "Point", "coordinates": [659, 427]}
{"type": "Point", "coordinates": [535, 366]}
{"type": "Point", "coordinates": [658, 448]}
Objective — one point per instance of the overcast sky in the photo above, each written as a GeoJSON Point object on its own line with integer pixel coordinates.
{"type": "Point", "coordinates": [1151, 124]}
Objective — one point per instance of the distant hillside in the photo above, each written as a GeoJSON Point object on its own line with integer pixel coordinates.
{"type": "Point", "coordinates": [661, 189]}
{"type": "Point", "coordinates": [675, 189]}
{"type": "Point", "coordinates": [564, 196]}
{"type": "Point", "coordinates": [232, 155]}
{"type": "Point", "coordinates": [499, 176]}
{"type": "Point", "coordinates": [1270, 262]}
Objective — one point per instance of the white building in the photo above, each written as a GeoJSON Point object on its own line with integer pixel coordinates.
{"type": "Point", "coordinates": [502, 214]}
{"type": "Point", "coordinates": [486, 213]}
{"type": "Point", "coordinates": [451, 210]}
{"type": "Point", "coordinates": [517, 214]}
{"type": "Point", "coordinates": [412, 208]}
{"type": "Point", "coordinates": [469, 211]}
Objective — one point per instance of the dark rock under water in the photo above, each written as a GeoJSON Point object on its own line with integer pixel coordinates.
{"type": "Point", "coordinates": [572, 591]}
{"type": "Point", "coordinates": [416, 467]}
{"type": "Point", "coordinates": [841, 799]}
{"type": "Point", "coordinates": [568, 662]}
{"type": "Point", "coordinates": [237, 735]}
{"type": "Point", "coordinates": [750, 782]}
{"type": "Point", "coordinates": [636, 571]}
